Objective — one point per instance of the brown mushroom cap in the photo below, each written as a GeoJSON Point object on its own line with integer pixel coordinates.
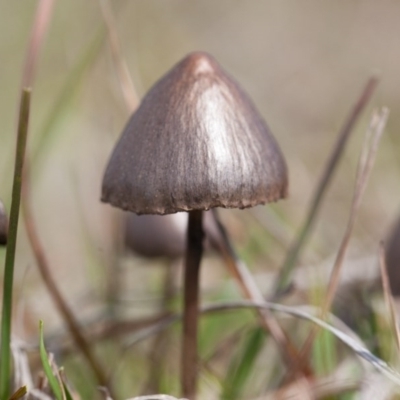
{"type": "Point", "coordinates": [3, 225]}
{"type": "Point", "coordinates": [196, 142]}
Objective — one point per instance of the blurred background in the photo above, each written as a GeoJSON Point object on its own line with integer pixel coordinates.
{"type": "Point", "coordinates": [304, 64]}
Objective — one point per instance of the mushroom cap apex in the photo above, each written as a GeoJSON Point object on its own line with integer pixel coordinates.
{"type": "Point", "coordinates": [200, 62]}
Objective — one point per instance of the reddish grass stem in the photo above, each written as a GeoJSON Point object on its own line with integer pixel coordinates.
{"type": "Point", "coordinates": [294, 252]}
{"type": "Point", "coordinates": [45, 272]}
{"type": "Point", "coordinates": [194, 252]}
{"type": "Point", "coordinates": [365, 164]}
{"type": "Point", "coordinates": [251, 291]}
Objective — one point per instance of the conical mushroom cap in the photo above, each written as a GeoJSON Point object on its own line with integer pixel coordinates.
{"type": "Point", "coordinates": [196, 142]}
{"type": "Point", "coordinates": [3, 225]}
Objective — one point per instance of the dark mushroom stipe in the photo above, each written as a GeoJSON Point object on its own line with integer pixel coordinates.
{"type": "Point", "coordinates": [194, 252]}
{"type": "Point", "coordinates": [3, 225]}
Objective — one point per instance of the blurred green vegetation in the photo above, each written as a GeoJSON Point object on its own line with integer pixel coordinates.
{"type": "Point", "coordinates": [304, 64]}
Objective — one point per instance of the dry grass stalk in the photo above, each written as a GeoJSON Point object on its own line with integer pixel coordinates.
{"type": "Point", "coordinates": [41, 23]}
{"type": "Point", "coordinates": [295, 250]}
{"type": "Point", "coordinates": [250, 290]}
{"type": "Point", "coordinates": [388, 296]}
{"type": "Point", "coordinates": [156, 397]}
{"type": "Point", "coordinates": [131, 99]}
{"type": "Point", "coordinates": [349, 339]}
{"type": "Point", "coordinates": [37, 36]}
{"type": "Point", "coordinates": [367, 158]}
{"type": "Point", "coordinates": [127, 87]}
{"type": "Point", "coordinates": [22, 373]}
{"type": "Point", "coordinates": [46, 274]}
{"type": "Point", "coordinates": [320, 389]}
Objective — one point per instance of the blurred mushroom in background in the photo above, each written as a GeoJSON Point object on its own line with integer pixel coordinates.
{"type": "Point", "coordinates": [154, 236]}
{"type": "Point", "coordinates": [392, 255]}
{"type": "Point", "coordinates": [3, 225]}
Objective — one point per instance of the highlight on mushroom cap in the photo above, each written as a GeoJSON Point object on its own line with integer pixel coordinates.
{"type": "Point", "coordinates": [196, 142]}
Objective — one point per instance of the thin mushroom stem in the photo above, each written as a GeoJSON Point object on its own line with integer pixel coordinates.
{"type": "Point", "coordinates": [194, 251]}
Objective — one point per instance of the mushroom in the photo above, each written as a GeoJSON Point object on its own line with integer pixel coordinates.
{"type": "Point", "coordinates": [3, 225]}
{"type": "Point", "coordinates": [196, 142]}
{"type": "Point", "coordinates": [392, 256]}
{"type": "Point", "coordinates": [153, 236]}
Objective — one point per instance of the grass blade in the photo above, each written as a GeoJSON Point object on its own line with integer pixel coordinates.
{"type": "Point", "coordinates": [68, 395]}
{"type": "Point", "coordinates": [20, 393]}
{"type": "Point", "coordinates": [366, 161]}
{"type": "Point", "coordinates": [128, 89]}
{"type": "Point", "coordinates": [247, 284]}
{"type": "Point", "coordinates": [53, 381]}
{"type": "Point", "coordinates": [45, 271]}
{"type": "Point", "coordinates": [350, 340]}
{"type": "Point", "coordinates": [5, 356]}
{"type": "Point", "coordinates": [242, 366]}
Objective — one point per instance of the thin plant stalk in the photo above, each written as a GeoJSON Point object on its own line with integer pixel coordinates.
{"type": "Point", "coordinates": [127, 87]}
{"type": "Point", "coordinates": [161, 342]}
{"type": "Point", "coordinates": [367, 157]}
{"type": "Point", "coordinates": [46, 274]}
{"type": "Point", "coordinates": [5, 358]}
{"type": "Point", "coordinates": [37, 36]}
{"type": "Point", "coordinates": [69, 89]}
{"type": "Point", "coordinates": [132, 101]}
{"type": "Point", "coordinates": [251, 291]}
{"type": "Point", "coordinates": [38, 33]}
{"type": "Point", "coordinates": [308, 313]}
{"type": "Point", "coordinates": [300, 241]}
{"type": "Point", "coordinates": [194, 251]}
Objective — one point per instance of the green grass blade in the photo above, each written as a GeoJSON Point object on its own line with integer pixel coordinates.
{"type": "Point", "coordinates": [242, 366]}
{"type": "Point", "coordinates": [53, 382]}
{"type": "Point", "coordinates": [5, 355]}
{"type": "Point", "coordinates": [20, 393]}
{"type": "Point", "coordinates": [68, 395]}
{"type": "Point", "coordinates": [324, 353]}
